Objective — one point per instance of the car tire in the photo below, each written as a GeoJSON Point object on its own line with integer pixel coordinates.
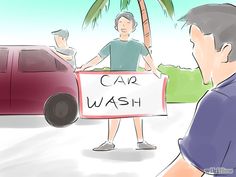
{"type": "Point", "coordinates": [61, 110]}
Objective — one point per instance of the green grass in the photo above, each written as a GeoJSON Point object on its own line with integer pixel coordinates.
{"type": "Point", "coordinates": [184, 85]}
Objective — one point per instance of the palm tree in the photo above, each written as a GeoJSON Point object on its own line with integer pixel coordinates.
{"type": "Point", "coordinates": [98, 6]}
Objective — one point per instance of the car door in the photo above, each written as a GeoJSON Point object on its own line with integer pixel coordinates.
{"type": "Point", "coordinates": [34, 77]}
{"type": "Point", "coordinates": [5, 80]}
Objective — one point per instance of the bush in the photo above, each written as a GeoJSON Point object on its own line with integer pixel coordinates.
{"type": "Point", "coordinates": [184, 85]}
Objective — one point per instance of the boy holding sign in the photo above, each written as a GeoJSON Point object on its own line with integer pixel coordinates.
{"type": "Point", "coordinates": [124, 56]}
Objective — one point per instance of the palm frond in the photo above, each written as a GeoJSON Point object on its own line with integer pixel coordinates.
{"type": "Point", "coordinates": [95, 12]}
{"type": "Point", "coordinates": [167, 6]}
{"type": "Point", "coordinates": [124, 4]}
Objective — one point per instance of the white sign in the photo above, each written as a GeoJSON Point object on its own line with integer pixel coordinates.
{"type": "Point", "coordinates": [121, 94]}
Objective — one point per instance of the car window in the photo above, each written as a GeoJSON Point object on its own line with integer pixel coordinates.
{"type": "Point", "coordinates": [60, 66]}
{"type": "Point", "coordinates": [3, 60]}
{"type": "Point", "coordinates": [36, 61]}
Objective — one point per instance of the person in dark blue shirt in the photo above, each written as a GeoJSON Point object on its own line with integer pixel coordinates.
{"type": "Point", "coordinates": [210, 144]}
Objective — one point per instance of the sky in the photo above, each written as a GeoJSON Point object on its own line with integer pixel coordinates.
{"type": "Point", "coordinates": [26, 22]}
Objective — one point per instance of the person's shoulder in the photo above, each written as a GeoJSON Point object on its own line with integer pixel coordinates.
{"type": "Point", "coordinates": [114, 41]}
{"type": "Point", "coordinates": [66, 51]}
{"type": "Point", "coordinates": [213, 100]}
{"type": "Point", "coordinates": [135, 41]}
{"type": "Point", "coordinates": [215, 96]}
{"type": "Point", "coordinates": [69, 51]}
{"type": "Point", "coordinates": [228, 90]}
{"type": "Point", "coordinates": [217, 104]}
{"type": "Point", "coordinates": [72, 49]}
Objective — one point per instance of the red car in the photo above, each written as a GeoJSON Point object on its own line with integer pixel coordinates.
{"type": "Point", "coordinates": [35, 81]}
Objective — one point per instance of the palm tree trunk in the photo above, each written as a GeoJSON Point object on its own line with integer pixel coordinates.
{"type": "Point", "coordinates": [146, 27]}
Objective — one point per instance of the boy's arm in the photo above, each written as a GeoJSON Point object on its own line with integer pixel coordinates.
{"type": "Point", "coordinates": [149, 61]}
{"type": "Point", "coordinates": [180, 168]}
{"type": "Point", "coordinates": [65, 57]}
{"type": "Point", "coordinates": [91, 63]}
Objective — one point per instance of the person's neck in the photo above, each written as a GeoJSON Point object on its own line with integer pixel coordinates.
{"type": "Point", "coordinates": [223, 72]}
{"type": "Point", "coordinates": [124, 37]}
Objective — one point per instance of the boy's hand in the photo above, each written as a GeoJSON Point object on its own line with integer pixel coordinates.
{"type": "Point", "coordinates": [81, 68]}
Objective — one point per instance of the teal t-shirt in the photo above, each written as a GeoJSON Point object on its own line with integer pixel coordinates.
{"type": "Point", "coordinates": [124, 55]}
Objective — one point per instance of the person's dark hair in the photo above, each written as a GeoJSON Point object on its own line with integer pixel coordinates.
{"type": "Point", "coordinates": [216, 19]}
{"type": "Point", "coordinates": [127, 15]}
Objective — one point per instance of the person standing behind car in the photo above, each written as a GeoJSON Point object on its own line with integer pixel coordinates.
{"type": "Point", "coordinates": [62, 49]}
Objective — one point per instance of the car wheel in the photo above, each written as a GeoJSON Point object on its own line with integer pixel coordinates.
{"type": "Point", "coordinates": [61, 110]}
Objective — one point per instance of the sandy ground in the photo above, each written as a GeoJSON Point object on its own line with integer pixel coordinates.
{"type": "Point", "coordinates": [31, 148]}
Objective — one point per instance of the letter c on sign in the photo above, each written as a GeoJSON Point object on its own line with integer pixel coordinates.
{"type": "Point", "coordinates": [102, 81]}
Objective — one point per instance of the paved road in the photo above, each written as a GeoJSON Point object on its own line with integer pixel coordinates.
{"type": "Point", "coordinates": [31, 148]}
